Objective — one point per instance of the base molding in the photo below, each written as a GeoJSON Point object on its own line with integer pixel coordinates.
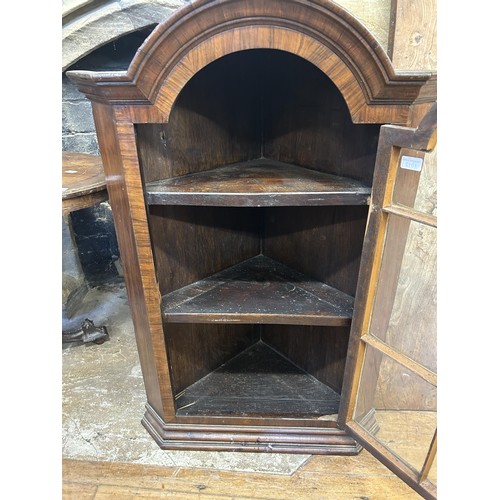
{"type": "Point", "coordinates": [265, 438]}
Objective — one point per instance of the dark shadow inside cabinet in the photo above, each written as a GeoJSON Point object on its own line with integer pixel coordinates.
{"type": "Point", "coordinates": [257, 191]}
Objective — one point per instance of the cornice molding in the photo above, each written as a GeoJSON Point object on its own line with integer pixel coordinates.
{"type": "Point", "coordinates": [318, 30]}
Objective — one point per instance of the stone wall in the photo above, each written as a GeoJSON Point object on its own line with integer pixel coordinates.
{"type": "Point", "coordinates": [78, 131]}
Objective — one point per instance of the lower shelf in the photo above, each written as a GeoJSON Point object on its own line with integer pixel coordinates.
{"type": "Point", "coordinates": [257, 402]}
{"type": "Point", "coordinates": [258, 382]}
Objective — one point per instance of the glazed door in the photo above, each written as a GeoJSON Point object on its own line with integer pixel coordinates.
{"type": "Point", "coordinates": [389, 397]}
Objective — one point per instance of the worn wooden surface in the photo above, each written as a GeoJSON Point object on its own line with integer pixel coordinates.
{"type": "Point", "coordinates": [320, 351]}
{"type": "Point", "coordinates": [405, 190]}
{"type": "Point", "coordinates": [391, 141]}
{"type": "Point", "coordinates": [305, 120]}
{"type": "Point", "coordinates": [259, 290]}
{"type": "Point", "coordinates": [415, 304]}
{"type": "Point", "coordinates": [401, 376]}
{"type": "Point", "coordinates": [83, 181]}
{"type": "Point", "coordinates": [322, 477]}
{"type": "Point", "coordinates": [322, 242]}
{"type": "Point", "coordinates": [252, 112]}
{"type": "Point", "coordinates": [207, 240]}
{"type": "Point", "coordinates": [258, 183]}
{"type": "Point", "coordinates": [215, 345]}
{"type": "Point", "coordinates": [258, 382]}
{"type": "Point", "coordinates": [216, 121]}
{"type": "Point", "coordinates": [119, 157]}
{"type": "Point", "coordinates": [414, 45]}
{"type": "Point", "coordinates": [342, 478]}
{"type": "Point", "coordinates": [271, 434]}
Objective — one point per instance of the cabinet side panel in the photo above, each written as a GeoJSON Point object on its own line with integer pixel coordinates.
{"type": "Point", "coordinates": [320, 351]}
{"type": "Point", "coordinates": [322, 242]}
{"type": "Point", "coordinates": [303, 114]}
{"type": "Point", "coordinates": [191, 243]}
{"type": "Point", "coordinates": [119, 157]}
{"type": "Point", "coordinates": [306, 121]}
{"type": "Point", "coordinates": [360, 150]}
{"type": "Point", "coordinates": [216, 120]}
{"type": "Point", "coordinates": [198, 349]}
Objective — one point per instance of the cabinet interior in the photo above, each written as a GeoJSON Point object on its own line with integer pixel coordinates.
{"type": "Point", "coordinates": [257, 274]}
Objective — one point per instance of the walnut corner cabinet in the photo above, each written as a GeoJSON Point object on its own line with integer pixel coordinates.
{"type": "Point", "coordinates": [262, 159]}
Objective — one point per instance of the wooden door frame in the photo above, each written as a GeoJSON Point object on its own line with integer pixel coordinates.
{"type": "Point", "coordinates": [391, 140]}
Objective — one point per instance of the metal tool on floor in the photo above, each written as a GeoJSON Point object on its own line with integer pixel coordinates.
{"type": "Point", "coordinates": [87, 333]}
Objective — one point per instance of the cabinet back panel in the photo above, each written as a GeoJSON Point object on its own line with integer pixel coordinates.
{"type": "Point", "coordinates": [195, 350]}
{"type": "Point", "coordinates": [303, 114]}
{"type": "Point", "coordinates": [320, 351]}
{"type": "Point", "coordinates": [243, 107]}
{"type": "Point", "coordinates": [191, 243]}
{"type": "Point", "coordinates": [306, 121]}
{"type": "Point", "coordinates": [322, 242]}
{"type": "Point", "coordinates": [216, 120]}
{"type": "Point", "coordinates": [360, 151]}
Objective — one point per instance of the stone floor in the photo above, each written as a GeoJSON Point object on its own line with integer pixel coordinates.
{"type": "Point", "coordinates": [103, 400]}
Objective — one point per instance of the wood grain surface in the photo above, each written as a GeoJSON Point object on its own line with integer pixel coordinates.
{"type": "Point", "coordinates": [83, 181]}
{"type": "Point", "coordinates": [123, 178]}
{"type": "Point", "coordinates": [215, 345]}
{"type": "Point", "coordinates": [82, 174]}
{"type": "Point", "coordinates": [207, 240]}
{"type": "Point", "coordinates": [258, 382]}
{"type": "Point", "coordinates": [415, 35]}
{"type": "Point", "coordinates": [259, 290]}
{"type": "Point", "coordinates": [392, 140]}
{"type": "Point", "coordinates": [322, 242]}
{"type": "Point", "coordinates": [258, 183]}
{"type": "Point", "coordinates": [319, 350]}
{"type": "Point", "coordinates": [321, 477]}
{"type": "Point", "coordinates": [415, 307]}
{"type": "Point", "coordinates": [372, 372]}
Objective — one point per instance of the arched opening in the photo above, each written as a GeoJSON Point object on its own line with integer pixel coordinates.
{"type": "Point", "coordinates": [261, 103]}
{"type": "Point", "coordinates": [269, 111]}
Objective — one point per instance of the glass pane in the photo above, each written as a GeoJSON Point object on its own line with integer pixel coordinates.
{"type": "Point", "coordinates": [416, 181]}
{"type": "Point", "coordinates": [405, 314]}
{"type": "Point", "coordinates": [397, 407]}
{"type": "Point", "coordinates": [432, 476]}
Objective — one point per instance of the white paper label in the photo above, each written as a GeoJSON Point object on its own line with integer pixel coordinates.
{"type": "Point", "coordinates": [412, 163]}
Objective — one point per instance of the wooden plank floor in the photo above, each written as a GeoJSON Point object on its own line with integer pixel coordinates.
{"type": "Point", "coordinates": [322, 477]}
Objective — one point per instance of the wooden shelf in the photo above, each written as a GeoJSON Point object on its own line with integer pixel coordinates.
{"type": "Point", "coordinates": [258, 382]}
{"type": "Point", "coordinates": [258, 183]}
{"type": "Point", "coordinates": [259, 290]}
{"type": "Point", "coordinates": [83, 181]}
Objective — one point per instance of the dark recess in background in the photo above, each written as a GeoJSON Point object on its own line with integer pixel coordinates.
{"type": "Point", "coordinates": [93, 227]}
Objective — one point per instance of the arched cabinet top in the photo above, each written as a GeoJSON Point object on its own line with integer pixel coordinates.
{"type": "Point", "coordinates": [319, 31]}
